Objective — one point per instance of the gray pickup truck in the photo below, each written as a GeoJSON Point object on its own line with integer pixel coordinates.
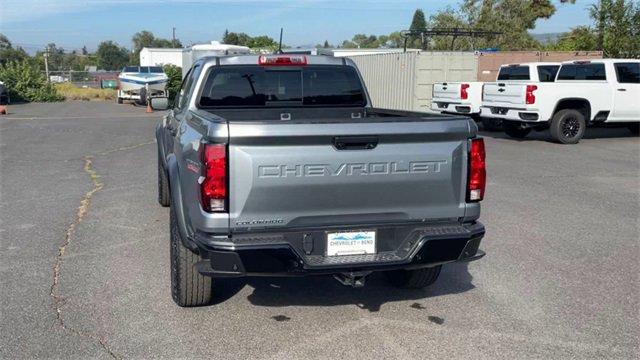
{"type": "Point", "coordinates": [278, 165]}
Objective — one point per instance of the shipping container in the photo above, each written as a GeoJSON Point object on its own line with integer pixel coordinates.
{"type": "Point", "coordinates": [404, 81]}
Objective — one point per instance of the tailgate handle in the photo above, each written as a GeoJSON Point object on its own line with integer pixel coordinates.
{"type": "Point", "coordinates": [355, 142]}
{"type": "Point", "coordinates": [501, 89]}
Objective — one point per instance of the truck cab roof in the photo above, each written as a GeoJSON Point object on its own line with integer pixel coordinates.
{"type": "Point", "coordinates": [276, 60]}
{"type": "Point", "coordinates": [532, 64]}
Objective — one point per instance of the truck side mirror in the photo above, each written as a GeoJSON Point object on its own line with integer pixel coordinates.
{"type": "Point", "coordinates": [161, 103]}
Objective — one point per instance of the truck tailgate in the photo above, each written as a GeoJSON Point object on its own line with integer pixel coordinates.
{"type": "Point", "coordinates": [504, 94]}
{"type": "Point", "coordinates": [446, 91]}
{"type": "Point", "coordinates": [329, 174]}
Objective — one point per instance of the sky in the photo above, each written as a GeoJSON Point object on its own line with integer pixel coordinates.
{"type": "Point", "coordinates": [72, 24]}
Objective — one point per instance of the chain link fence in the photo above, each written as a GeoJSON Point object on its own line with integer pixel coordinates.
{"type": "Point", "coordinates": [89, 79]}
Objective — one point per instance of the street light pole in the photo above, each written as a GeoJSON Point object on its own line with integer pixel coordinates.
{"type": "Point", "coordinates": [46, 62]}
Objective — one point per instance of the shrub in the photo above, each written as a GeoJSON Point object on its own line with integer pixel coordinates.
{"type": "Point", "coordinates": [25, 82]}
{"type": "Point", "coordinates": [175, 80]}
{"type": "Point", "coordinates": [72, 92]}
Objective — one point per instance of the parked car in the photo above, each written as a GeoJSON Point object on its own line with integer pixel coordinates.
{"type": "Point", "coordinates": [277, 165]}
{"type": "Point", "coordinates": [585, 93]}
{"type": "Point", "coordinates": [465, 98]}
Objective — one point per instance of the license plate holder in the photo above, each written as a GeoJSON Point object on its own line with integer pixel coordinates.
{"type": "Point", "coordinates": [354, 242]}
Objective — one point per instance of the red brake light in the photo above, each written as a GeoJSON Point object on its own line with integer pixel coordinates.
{"type": "Point", "coordinates": [213, 188]}
{"type": "Point", "coordinates": [464, 95]}
{"type": "Point", "coordinates": [477, 171]}
{"type": "Point", "coordinates": [530, 97]}
{"type": "Point", "coordinates": [282, 60]}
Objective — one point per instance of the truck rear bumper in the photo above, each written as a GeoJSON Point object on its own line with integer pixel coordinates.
{"type": "Point", "coordinates": [460, 108]}
{"type": "Point", "coordinates": [513, 114]}
{"type": "Point", "coordinates": [300, 253]}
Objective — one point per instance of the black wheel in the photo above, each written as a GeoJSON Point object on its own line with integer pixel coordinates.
{"type": "Point", "coordinates": [568, 126]}
{"type": "Point", "coordinates": [119, 100]}
{"type": "Point", "coordinates": [492, 124]}
{"type": "Point", "coordinates": [163, 184]}
{"type": "Point", "coordinates": [143, 97]}
{"type": "Point", "coordinates": [634, 128]}
{"type": "Point", "coordinates": [515, 129]}
{"type": "Point", "coordinates": [414, 279]}
{"type": "Point", "coordinates": [188, 287]}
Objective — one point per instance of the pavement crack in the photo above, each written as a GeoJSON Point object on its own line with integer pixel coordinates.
{"type": "Point", "coordinates": [58, 300]}
{"type": "Point", "coordinates": [125, 148]}
{"type": "Point", "coordinates": [83, 208]}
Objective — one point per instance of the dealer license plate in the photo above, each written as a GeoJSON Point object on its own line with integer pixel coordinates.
{"type": "Point", "coordinates": [351, 243]}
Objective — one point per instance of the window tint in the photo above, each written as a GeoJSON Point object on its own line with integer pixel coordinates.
{"type": "Point", "coordinates": [130, 69]}
{"type": "Point", "coordinates": [256, 86]}
{"type": "Point", "coordinates": [548, 73]}
{"type": "Point", "coordinates": [628, 73]}
{"type": "Point", "coordinates": [187, 85]}
{"type": "Point", "coordinates": [155, 69]}
{"type": "Point", "coordinates": [514, 73]}
{"type": "Point", "coordinates": [582, 72]}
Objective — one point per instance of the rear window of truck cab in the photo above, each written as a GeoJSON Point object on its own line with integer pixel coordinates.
{"type": "Point", "coordinates": [238, 86]}
{"type": "Point", "coordinates": [582, 71]}
{"type": "Point", "coordinates": [514, 72]}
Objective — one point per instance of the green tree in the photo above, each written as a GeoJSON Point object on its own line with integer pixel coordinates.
{"type": "Point", "coordinates": [9, 53]}
{"type": "Point", "coordinates": [513, 18]}
{"type": "Point", "coordinates": [581, 38]}
{"type": "Point", "coordinates": [111, 56]}
{"type": "Point", "coordinates": [146, 38]}
{"type": "Point", "coordinates": [326, 44]}
{"type": "Point", "coordinates": [418, 23]}
{"type": "Point", "coordinates": [26, 82]}
{"type": "Point", "coordinates": [262, 42]}
{"type": "Point", "coordinates": [174, 73]}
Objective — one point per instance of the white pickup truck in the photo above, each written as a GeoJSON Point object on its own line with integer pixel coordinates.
{"type": "Point", "coordinates": [585, 93]}
{"type": "Point", "coordinates": [465, 98]}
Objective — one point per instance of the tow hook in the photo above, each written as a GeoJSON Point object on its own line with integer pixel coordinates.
{"type": "Point", "coordinates": [354, 279]}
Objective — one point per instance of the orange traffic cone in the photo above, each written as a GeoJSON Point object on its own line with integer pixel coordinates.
{"type": "Point", "coordinates": [3, 110]}
{"type": "Point", "coordinates": [149, 108]}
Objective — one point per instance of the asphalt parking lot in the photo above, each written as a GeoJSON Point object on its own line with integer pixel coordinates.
{"type": "Point", "coordinates": [84, 259]}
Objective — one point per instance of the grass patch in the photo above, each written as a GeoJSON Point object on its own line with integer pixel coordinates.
{"type": "Point", "coordinates": [72, 92]}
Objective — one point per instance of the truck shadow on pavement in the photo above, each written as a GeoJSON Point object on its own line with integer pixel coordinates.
{"type": "Point", "coordinates": [591, 133]}
{"type": "Point", "coordinates": [326, 291]}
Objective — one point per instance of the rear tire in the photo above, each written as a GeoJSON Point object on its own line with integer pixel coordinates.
{"type": "Point", "coordinates": [634, 128]}
{"type": "Point", "coordinates": [188, 287]}
{"type": "Point", "coordinates": [143, 97]}
{"type": "Point", "coordinates": [515, 130]}
{"type": "Point", "coordinates": [568, 126]}
{"type": "Point", "coordinates": [163, 184]}
{"type": "Point", "coordinates": [414, 279]}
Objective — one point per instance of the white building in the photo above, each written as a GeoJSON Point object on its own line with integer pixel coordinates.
{"type": "Point", "coordinates": [184, 58]}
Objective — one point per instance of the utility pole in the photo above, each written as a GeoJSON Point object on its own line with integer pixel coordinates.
{"type": "Point", "coordinates": [173, 38]}
{"type": "Point", "coordinates": [46, 62]}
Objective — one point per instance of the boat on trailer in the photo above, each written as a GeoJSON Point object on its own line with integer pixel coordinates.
{"type": "Point", "coordinates": [140, 83]}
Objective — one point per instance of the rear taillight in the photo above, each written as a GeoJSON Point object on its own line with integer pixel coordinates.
{"type": "Point", "coordinates": [477, 171]}
{"type": "Point", "coordinates": [282, 60]}
{"type": "Point", "coordinates": [213, 185]}
{"type": "Point", "coordinates": [464, 95]}
{"type": "Point", "coordinates": [530, 96]}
